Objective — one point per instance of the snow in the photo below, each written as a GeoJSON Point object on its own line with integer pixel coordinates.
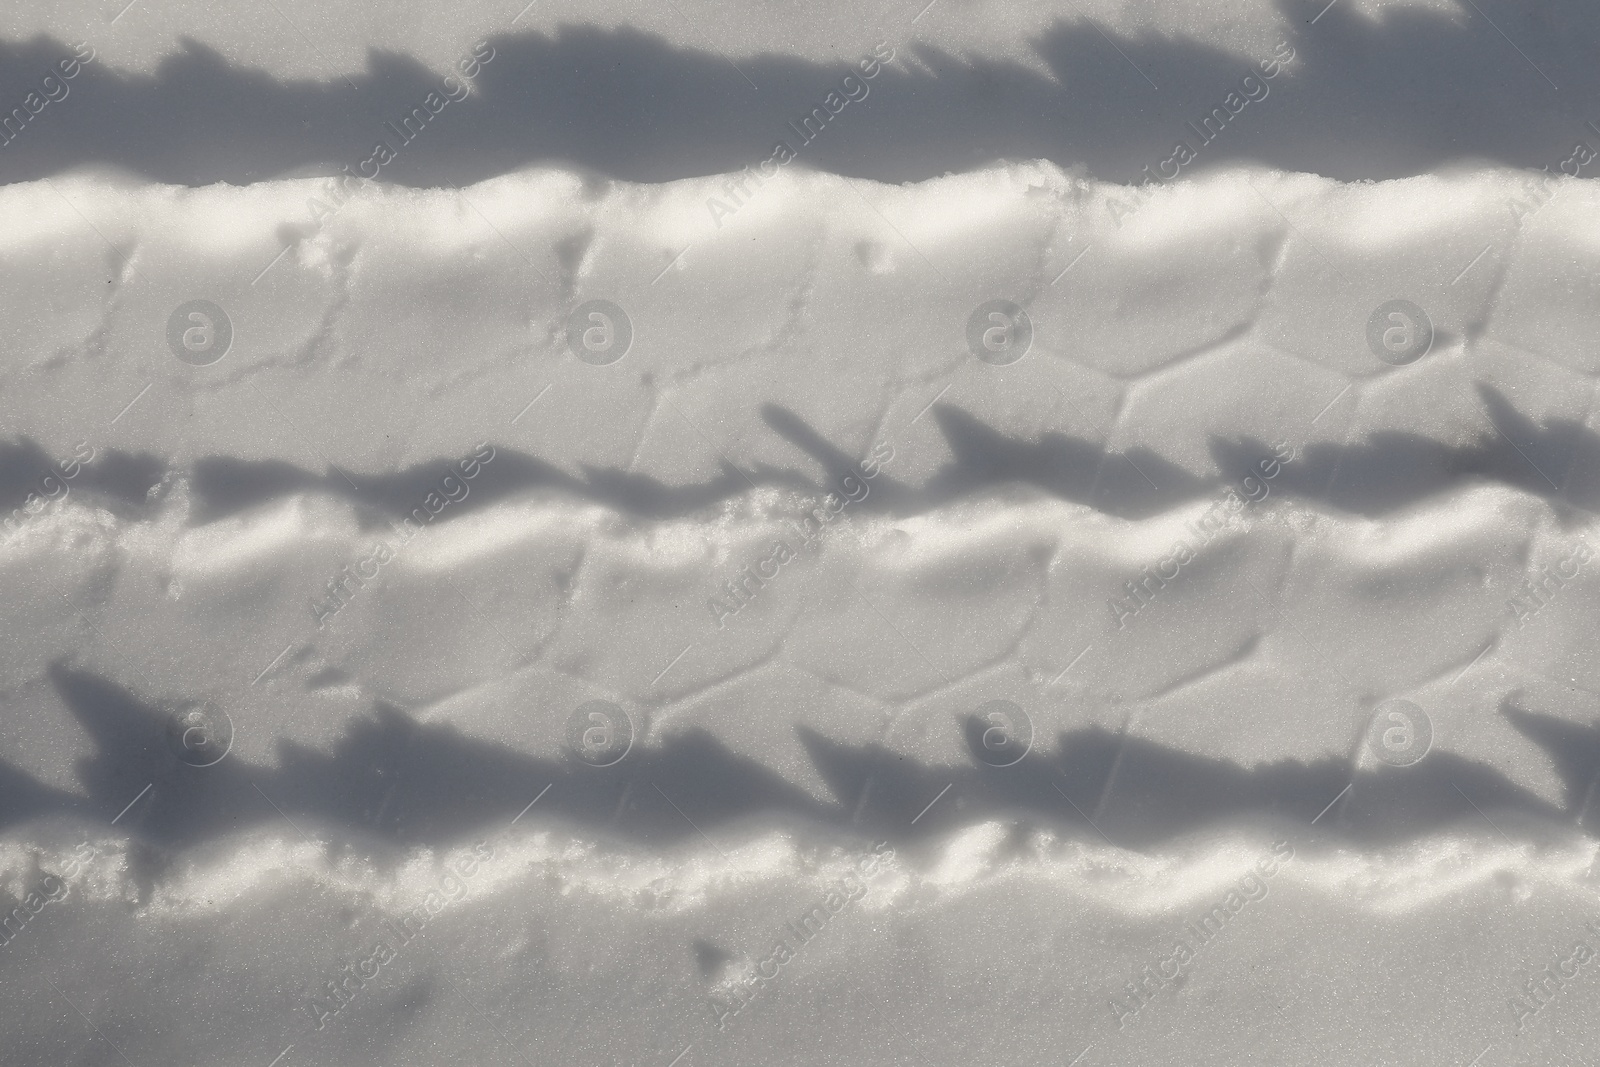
{"type": "Point", "coordinates": [608, 591]}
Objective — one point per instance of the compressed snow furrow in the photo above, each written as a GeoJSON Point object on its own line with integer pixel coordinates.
{"type": "Point", "coordinates": [504, 621]}
{"type": "Point", "coordinates": [351, 578]}
{"type": "Point", "coordinates": [350, 327]}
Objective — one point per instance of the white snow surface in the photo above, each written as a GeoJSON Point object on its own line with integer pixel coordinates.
{"type": "Point", "coordinates": [305, 638]}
